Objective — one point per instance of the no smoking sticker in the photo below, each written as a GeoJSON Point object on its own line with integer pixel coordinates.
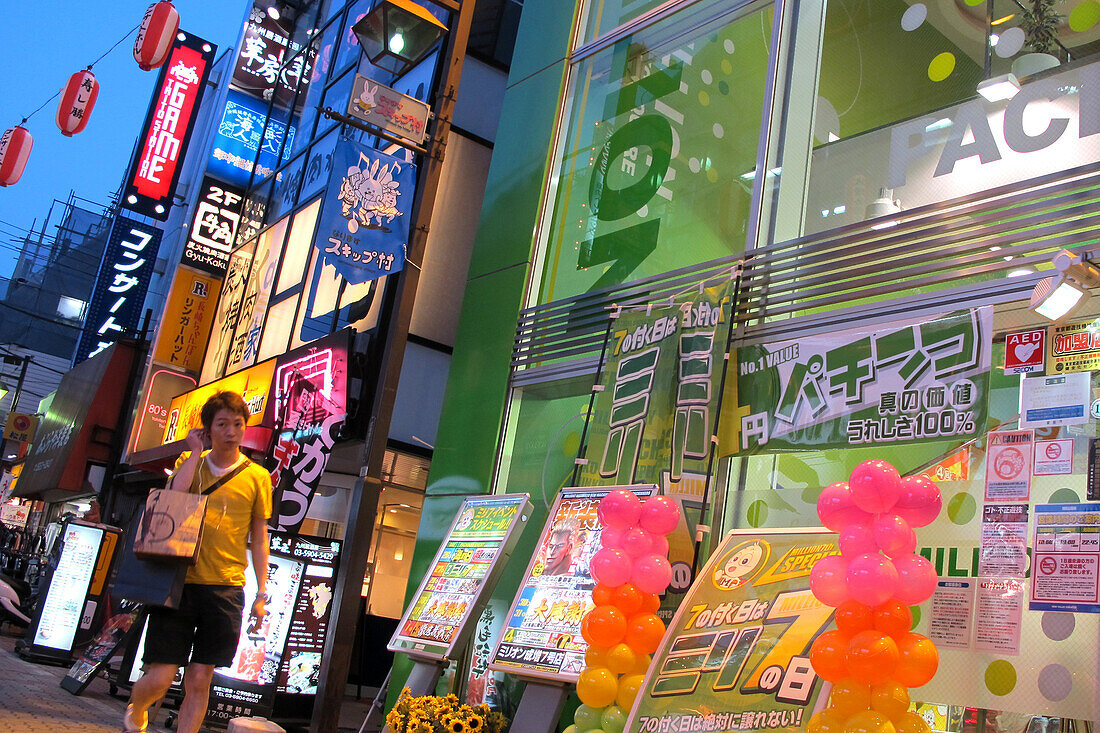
{"type": "Point", "coordinates": [1053, 457]}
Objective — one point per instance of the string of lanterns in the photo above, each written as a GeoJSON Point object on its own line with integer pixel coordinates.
{"type": "Point", "coordinates": [154, 41]}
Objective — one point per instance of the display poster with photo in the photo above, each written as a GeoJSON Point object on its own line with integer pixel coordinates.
{"type": "Point", "coordinates": [1065, 561]}
{"type": "Point", "coordinates": [463, 572]}
{"type": "Point", "coordinates": [297, 565]}
{"type": "Point", "coordinates": [1008, 465]}
{"type": "Point", "coordinates": [542, 634]}
{"type": "Point", "coordinates": [736, 655]}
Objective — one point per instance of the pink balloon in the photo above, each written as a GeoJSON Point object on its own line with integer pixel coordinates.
{"type": "Point", "coordinates": [612, 537]}
{"type": "Point", "coordinates": [610, 567]}
{"type": "Point", "coordinates": [660, 515]}
{"type": "Point", "coordinates": [920, 501]}
{"type": "Point", "coordinates": [636, 541]}
{"type": "Point", "coordinates": [828, 580]}
{"type": "Point", "coordinates": [660, 545]}
{"type": "Point", "coordinates": [651, 574]}
{"type": "Point", "coordinates": [836, 509]}
{"type": "Point", "coordinates": [916, 579]}
{"type": "Point", "coordinates": [857, 539]}
{"type": "Point", "coordinates": [875, 486]}
{"type": "Point", "coordinates": [620, 508]}
{"type": "Point", "coordinates": [872, 579]}
{"type": "Point", "coordinates": [893, 535]}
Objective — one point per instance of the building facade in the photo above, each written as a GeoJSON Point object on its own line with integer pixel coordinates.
{"type": "Point", "coordinates": [833, 166]}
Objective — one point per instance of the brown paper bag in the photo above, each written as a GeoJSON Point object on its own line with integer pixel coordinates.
{"type": "Point", "coordinates": [171, 527]}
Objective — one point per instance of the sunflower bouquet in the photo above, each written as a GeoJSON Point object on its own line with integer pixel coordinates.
{"type": "Point", "coordinates": [436, 714]}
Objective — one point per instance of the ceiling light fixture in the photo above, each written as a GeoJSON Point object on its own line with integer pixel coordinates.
{"type": "Point", "coordinates": [1057, 298]}
{"type": "Point", "coordinates": [999, 88]}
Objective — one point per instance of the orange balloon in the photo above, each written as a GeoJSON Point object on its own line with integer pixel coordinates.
{"type": "Point", "coordinates": [644, 632]}
{"type": "Point", "coordinates": [597, 687]}
{"type": "Point", "coordinates": [849, 697]}
{"type": "Point", "coordinates": [651, 603]}
{"type": "Point", "coordinates": [872, 657]}
{"type": "Point", "coordinates": [918, 660]}
{"type": "Point", "coordinates": [893, 618]}
{"type": "Point", "coordinates": [826, 721]}
{"type": "Point", "coordinates": [911, 723]}
{"type": "Point", "coordinates": [868, 721]}
{"type": "Point", "coordinates": [853, 617]}
{"type": "Point", "coordinates": [605, 625]}
{"type": "Point", "coordinates": [829, 656]}
{"type": "Point", "coordinates": [595, 656]}
{"type": "Point", "coordinates": [621, 659]}
{"type": "Point", "coordinates": [627, 599]}
{"type": "Point", "coordinates": [601, 595]}
{"type": "Point", "coordinates": [890, 699]}
{"type": "Point", "coordinates": [628, 690]}
{"type": "Point", "coordinates": [641, 663]}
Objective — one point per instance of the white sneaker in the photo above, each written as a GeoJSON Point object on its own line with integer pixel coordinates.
{"type": "Point", "coordinates": [131, 724]}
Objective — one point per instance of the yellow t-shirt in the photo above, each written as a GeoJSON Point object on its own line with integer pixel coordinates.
{"type": "Point", "coordinates": [222, 557]}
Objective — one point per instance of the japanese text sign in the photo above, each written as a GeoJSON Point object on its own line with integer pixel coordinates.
{"type": "Point", "coordinates": [542, 634]}
{"type": "Point", "coordinates": [214, 226]}
{"type": "Point", "coordinates": [388, 109]}
{"type": "Point", "coordinates": [1073, 347]}
{"type": "Point", "coordinates": [246, 141]}
{"type": "Point", "coordinates": [1008, 465]}
{"type": "Point", "coordinates": [660, 385]}
{"type": "Point", "coordinates": [736, 654]}
{"type": "Point", "coordinates": [363, 226]}
{"type": "Point", "coordinates": [253, 384]}
{"type": "Point", "coordinates": [462, 575]}
{"type": "Point", "coordinates": [151, 183]}
{"type": "Point", "coordinates": [119, 292]}
{"type": "Point", "coordinates": [264, 67]}
{"type": "Point", "coordinates": [902, 381]}
{"type": "Point", "coordinates": [20, 427]}
{"type": "Point", "coordinates": [188, 315]}
{"type": "Point", "coordinates": [1025, 352]}
{"type": "Point", "coordinates": [1065, 559]}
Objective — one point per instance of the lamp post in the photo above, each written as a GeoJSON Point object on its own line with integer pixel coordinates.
{"type": "Point", "coordinates": [397, 307]}
{"type": "Point", "coordinates": [397, 34]}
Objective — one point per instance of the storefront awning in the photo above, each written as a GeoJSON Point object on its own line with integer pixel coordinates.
{"type": "Point", "coordinates": [78, 426]}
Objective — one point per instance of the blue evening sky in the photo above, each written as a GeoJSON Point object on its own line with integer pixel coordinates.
{"type": "Point", "coordinates": [42, 42]}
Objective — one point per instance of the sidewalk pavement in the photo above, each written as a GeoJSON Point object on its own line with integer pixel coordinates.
{"type": "Point", "coordinates": [32, 701]}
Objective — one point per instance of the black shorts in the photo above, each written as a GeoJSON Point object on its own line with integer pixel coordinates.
{"type": "Point", "coordinates": [204, 629]}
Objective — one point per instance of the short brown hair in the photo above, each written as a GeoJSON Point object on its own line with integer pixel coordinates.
{"type": "Point", "coordinates": [222, 401]}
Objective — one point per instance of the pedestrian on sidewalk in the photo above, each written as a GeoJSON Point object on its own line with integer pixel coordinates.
{"type": "Point", "coordinates": [202, 633]}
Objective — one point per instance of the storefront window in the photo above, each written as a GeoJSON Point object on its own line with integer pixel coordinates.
{"type": "Point", "coordinates": [1011, 633]}
{"type": "Point", "coordinates": [606, 15]}
{"type": "Point", "coordinates": [659, 150]}
{"type": "Point", "coordinates": [394, 537]}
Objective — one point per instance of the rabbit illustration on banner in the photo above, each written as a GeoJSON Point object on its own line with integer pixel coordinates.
{"type": "Point", "coordinates": [369, 195]}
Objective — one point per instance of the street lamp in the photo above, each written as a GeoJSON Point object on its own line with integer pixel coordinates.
{"type": "Point", "coordinates": [397, 34]}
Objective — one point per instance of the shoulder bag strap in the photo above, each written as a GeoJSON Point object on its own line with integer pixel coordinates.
{"type": "Point", "coordinates": [221, 482]}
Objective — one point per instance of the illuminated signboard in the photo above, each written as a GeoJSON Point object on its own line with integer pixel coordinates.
{"type": "Point", "coordinates": [241, 143]}
{"type": "Point", "coordinates": [119, 292]}
{"type": "Point", "coordinates": [151, 182]}
{"type": "Point", "coordinates": [214, 227]}
{"type": "Point", "coordinates": [262, 67]}
{"type": "Point", "coordinates": [252, 384]}
{"type": "Point", "coordinates": [185, 324]}
{"type": "Point", "coordinates": [462, 574]}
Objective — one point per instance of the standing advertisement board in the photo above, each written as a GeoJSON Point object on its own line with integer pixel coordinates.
{"type": "Point", "coordinates": [736, 655]}
{"type": "Point", "coordinates": [542, 635]}
{"type": "Point", "coordinates": [462, 575]}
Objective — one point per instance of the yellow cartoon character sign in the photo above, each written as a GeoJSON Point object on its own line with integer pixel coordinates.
{"type": "Point", "coordinates": [744, 562]}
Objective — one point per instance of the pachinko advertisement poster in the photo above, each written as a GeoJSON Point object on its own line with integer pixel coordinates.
{"type": "Point", "coordinates": [542, 635]}
{"type": "Point", "coordinates": [475, 544]}
{"type": "Point", "coordinates": [736, 655]}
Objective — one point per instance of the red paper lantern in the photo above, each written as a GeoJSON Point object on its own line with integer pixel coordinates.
{"type": "Point", "coordinates": [15, 148]}
{"type": "Point", "coordinates": [77, 99]}
{"type": "Point", "coordinates": [154, 39]}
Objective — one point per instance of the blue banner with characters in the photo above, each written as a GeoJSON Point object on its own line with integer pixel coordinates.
{"type": "Point", "coordinates": [364, 221]}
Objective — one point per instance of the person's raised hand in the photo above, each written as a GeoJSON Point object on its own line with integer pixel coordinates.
{"type": "Point", "coordinates": [195, 440]}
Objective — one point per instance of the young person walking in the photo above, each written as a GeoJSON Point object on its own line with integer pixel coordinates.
{"type": "Point", "coordinates": [202, 633]}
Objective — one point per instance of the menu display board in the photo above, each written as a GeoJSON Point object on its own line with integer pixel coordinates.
{"type": "Point", "coordinates": [283, 652]}
{"type": "Point", "coordinates": [736, 654]}
{"type": "Point", "coordinates": [464, 570]}
{"type": "Point", "coordinates": [63, 609]}
{"type": "Point", "coordinates": [542, 636]}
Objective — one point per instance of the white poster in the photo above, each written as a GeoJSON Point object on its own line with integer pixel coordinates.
{"type": "Point", "coordinates": [1000, 614]}
{"type": "Point", "coordinates": [1059, 400]}
{"type": "Point", "coordinates": [952, 610]}
{"type": "Point", "coordinates": [1008, 465]}
{"type": "Point", "coordinates": [1066, 558]}
{"type": "Point", "coordinates": [1004, 540]}
{"type": "Point", "coordinates": [1053, 458]}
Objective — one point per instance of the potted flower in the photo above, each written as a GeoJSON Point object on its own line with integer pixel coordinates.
{"type": "Point", "coordinates": [442, 714]}
{"type": "Point", "coordinates": [1040, 25]}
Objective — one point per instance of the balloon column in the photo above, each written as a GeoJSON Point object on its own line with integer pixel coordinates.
{"type": "Point", "coordinates": [631, 570]}
{"type": "Point", "coordinates": [872, 657]}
